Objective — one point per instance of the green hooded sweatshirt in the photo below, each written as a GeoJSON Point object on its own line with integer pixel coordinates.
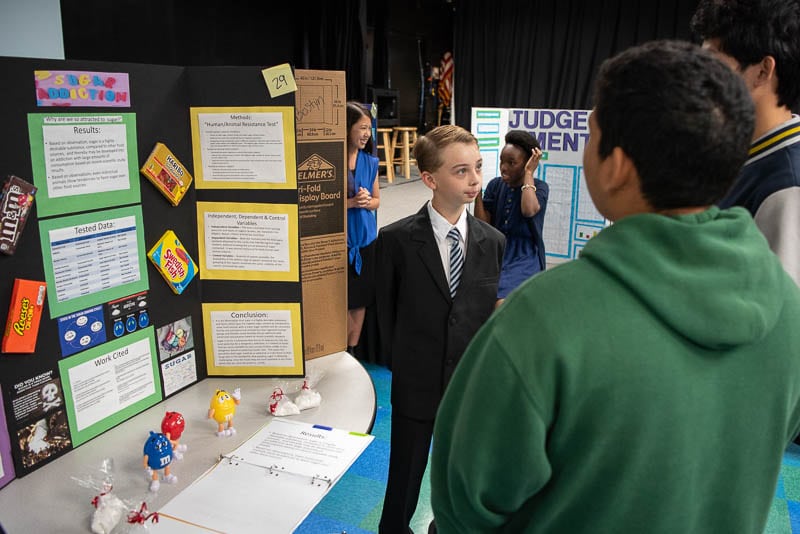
{"type": "Point", "coordinates": [651, 385]}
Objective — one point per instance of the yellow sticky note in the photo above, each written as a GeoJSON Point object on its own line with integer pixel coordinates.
{"type": "Point", "coordinates": [279, 80]}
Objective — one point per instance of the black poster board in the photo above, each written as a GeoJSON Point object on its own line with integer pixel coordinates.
{"type": "Point", "coordinates": [242, 87]}
{"type": "Point", "coordinates": [160, 97]}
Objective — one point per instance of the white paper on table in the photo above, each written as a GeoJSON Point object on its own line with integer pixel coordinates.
{"type": "Point", "coordinates": [270, 483]}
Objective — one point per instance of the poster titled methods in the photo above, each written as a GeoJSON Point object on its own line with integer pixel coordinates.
{"type": "Point", "coordinates": [244, 148]}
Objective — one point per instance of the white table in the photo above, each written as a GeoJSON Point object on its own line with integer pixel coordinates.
{"type": "Point", "coordinates": [49, 500]}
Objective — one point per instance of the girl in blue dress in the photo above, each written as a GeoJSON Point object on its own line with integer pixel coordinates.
{"type": "Point", "coordinates": [363, 198]}
{"type": "Point", "coordinates": [515, 203]}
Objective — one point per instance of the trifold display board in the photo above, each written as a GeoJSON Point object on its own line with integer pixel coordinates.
{"type": "Point", "coordinates": [150, 289]}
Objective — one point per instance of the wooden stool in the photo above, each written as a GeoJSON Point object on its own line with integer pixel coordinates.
{"type": "Point", "coordinates": [388, 152]}
{"type": "Point", "coordinates": [404, 137]}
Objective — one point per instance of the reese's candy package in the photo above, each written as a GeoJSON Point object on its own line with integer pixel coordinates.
{"type": "Point", "coordinates": [16, 201]}
{"type": "Point", "coordinates": [164, 170]}
{"type": "Point", "coordinates": [173, 262]}
{"type": "Point", "coordinates": [24, 315]}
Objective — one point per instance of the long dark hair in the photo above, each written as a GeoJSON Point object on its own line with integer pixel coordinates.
{"type": "Point", "coordinates": [354, 113]}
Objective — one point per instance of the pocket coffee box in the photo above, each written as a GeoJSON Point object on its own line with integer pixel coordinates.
{"type": "Point", "coordinates": [164, 170]}
{"type": "Point", "coordinates": [173, 262]}
{"type": "Point", "coordinates": [24, 316]}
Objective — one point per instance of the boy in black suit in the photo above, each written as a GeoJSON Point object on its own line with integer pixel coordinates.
{"type": "Point", "coordinates": [435, 288]}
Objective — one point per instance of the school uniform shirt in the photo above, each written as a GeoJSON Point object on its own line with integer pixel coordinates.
{"type": "Point", "coordinates": [423, 329]}
{"type": "Point", "coordinates": [769, 187]}
{"type": "Point", "coordinates": [441, 227]}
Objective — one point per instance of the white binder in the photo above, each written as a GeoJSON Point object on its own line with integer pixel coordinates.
{"type": "Point", "coordinates": [268, 484]}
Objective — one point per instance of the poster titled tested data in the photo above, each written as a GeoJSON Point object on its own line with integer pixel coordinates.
{"type": "Point", "coordinates": [93, 258]}
{"type": "Point", "coordinates": [90, 258]}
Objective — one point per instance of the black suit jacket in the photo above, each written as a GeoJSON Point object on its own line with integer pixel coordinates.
{"type": "Point", "coordinates": [423, 330]}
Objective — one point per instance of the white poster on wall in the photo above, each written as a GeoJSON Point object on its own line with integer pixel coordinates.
{"type": "Point", "coordinates": [571, 218]}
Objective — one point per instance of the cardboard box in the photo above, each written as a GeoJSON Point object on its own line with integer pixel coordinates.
{"type": "Point", "coordinates": [24, 316]}
{"type": "Point", "coordinates": [321, 146]}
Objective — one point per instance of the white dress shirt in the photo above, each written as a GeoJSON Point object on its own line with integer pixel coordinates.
{"type": "Point", "coordinates": [440, 229]}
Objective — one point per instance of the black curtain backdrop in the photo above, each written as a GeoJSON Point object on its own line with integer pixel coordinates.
{"type": "Point", "coordinates": [544, 53]}
{"type": "Point", "coordinates": [381, 72]}
{"type": "Point", "coordinates": [333, 38]}
{"type": "Point", "coordinates": [508, 53]}
{"type": "Point", "coordinates": [309, 34]}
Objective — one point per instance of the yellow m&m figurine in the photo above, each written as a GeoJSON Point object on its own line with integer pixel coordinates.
{"type": "Point", "coordinates": [223, 406]}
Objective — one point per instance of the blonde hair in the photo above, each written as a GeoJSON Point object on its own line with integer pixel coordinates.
{"type": "Point", "coordinates": [428, 148]}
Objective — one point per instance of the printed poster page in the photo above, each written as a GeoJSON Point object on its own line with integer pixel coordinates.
{"type": "Point", "coordinates": [260, 339]}
{"type": "Point", "coordinates": [174, 338]}
{"type": "Point", "coordinates": [83, 161]}
{"type": "Point", "coordinates": [235, 497]}
{"type": "Point", "coordinates": [93, 258]}
{"type": "Point", "coordinates": [106, 385]}
{"type": "Point", "coordinates": [6, 463]}
{"type": "Point", "coordinates": [571, 218]}
{"type": "Point", "coordinates": [243, 148]}
{"type": "Point", "coordinates": [313, 451]}
{"type": "Point", "coordinates": [490, 126]}
{"type": "Point", "coordinates": [243, 241]}
{"type": "Point", "coordinates": [37, 426]}
{"type": "Point", "coordinates": [272, 481]}
{"type": "Point", "coordinates": [179, 372]}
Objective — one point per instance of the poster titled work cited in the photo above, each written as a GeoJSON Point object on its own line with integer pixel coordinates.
{"type": "Point", "coordinates": [83, 161]}
{"type": "Point", "coordinates": [107, 384]}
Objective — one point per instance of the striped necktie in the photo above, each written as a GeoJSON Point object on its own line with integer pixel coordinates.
{"type": "Point", "coordinates": [456, 259]}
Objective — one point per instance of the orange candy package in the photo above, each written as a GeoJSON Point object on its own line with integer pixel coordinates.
{"type": "Point", "coordinates": [24, 316]}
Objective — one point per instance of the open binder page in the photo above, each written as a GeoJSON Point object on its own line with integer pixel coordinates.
{"type": "Point", "coordinates": [314, 451]}
{"type": "Point", "coordinates": [269, 484]}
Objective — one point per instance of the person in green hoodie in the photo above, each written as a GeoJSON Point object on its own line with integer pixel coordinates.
{"type": "Point", "coordinates": [652, 384]}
